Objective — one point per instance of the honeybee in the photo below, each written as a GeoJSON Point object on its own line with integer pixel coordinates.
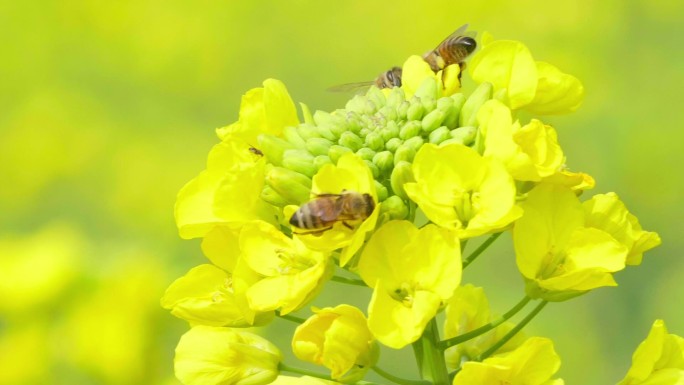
{"type": "Point", "coordinates": [321, 213]}
{"type": "Point", "coordinates": [452, 50]}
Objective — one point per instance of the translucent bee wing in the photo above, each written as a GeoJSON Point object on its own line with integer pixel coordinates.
{"type": "Point", "coordinates": [461, 31]}
{"type": "Point", "coordinates": [349, 87]}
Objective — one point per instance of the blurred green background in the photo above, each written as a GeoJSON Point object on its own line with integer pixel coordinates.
{"type": "Point", "coordinates": [108, 108]}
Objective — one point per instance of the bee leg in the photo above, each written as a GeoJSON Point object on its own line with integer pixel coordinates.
{"type": "Point", "coordinates": [350, 227]}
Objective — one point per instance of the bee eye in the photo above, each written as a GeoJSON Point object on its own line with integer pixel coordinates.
{"type": "Point", "coordinates": [390, 76]}
{"type": "Point", "coordinates": [469, 43]}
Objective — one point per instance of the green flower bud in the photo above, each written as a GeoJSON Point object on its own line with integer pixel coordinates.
{"type": "Point", "coordinates": [405, 153]}
{"type": "Point", "coordinates": [269, 195]}
{"type": "Point", "coordinates": [365, 131]}
{"type": "Point", "coordinates": [471, 106]}
{"type": "Point", "coordinates": [350, 140]}
{"type": "Point", "coordinates": [402, 173]}
{"type": "Point", "coordinates": [415, 143]}
{"type": "Point", "coordinates": [464, 135]}
{"type": "Point", "coordinates": [327, 131]}
{"type": "Point", "coordinates": [308, 131]}
{"type": "Point", "coordinates": [273, 147]}
{"type": "Point", "coordinates": [393, 144]}
{"type": "Point", "coordinates": [374, 169]}
{"type": "Point", "coordinates": [318, 146]}
{"type": "Point", "coordinates": [402, 110]}
{"type": "Point", "coordinates": [336, 152]}
{"type": "Point", "coordinates": [396, 97]}
{"type": "Point", "coordinates": [353, 123]}
{"type": "Point", "coordinates": [322, 117]}
{"type": "Point", "coordinates": [451, 120]}
{"type": "Point", "coordinates": [291, 135]}
{"type": "Point", "coordinates": [384, 160]}
{"type": "Point", "coordinates": [377, 97]}
{"type": "Point", "coordinates": [381, 190]}
{"type": "Point", "coordinates": [428, 104]}
{"type": "Point", "coordinates": [410, 129]}
{"type": "Point", "coordinates": [365, 153]}
{"type": "Point", "coordinates": [291, 185]}
{"type": "Point", "coordinates": [394, 207]}
{"type": "Point", "coordinates": [388, 113]}
{"type": "Point", "coordinates": [374, 141]}
{"type": "Point", "coordinates": [427, 89]}
{"type": "Point", "coordinates": [445, 103]}
{"type": "Point", "coordinates": [439, 135]}
{"type": "Point", "coordinates": [356, 104]}
{"type": "Point", "coordinates": [321, 161]}
{"type": "Point", "coordinates": [391, 130]}
{"type": "Point", "coordinates": [433, 120]}
{"type": "Point", "coordinates": [300, 161]}
{"type": "Point", "coordinates": [415, 111]}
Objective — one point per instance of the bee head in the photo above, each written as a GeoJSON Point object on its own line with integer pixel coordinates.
{"type": "Point", "coordinates": [469, 44]}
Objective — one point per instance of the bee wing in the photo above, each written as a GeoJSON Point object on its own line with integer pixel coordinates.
{"type": "Point", "coordinates": [330, 209]}
{"type": "Point", "coordinates": [358, 86]}
{"type": "Point", "coordinates": [461, 31]}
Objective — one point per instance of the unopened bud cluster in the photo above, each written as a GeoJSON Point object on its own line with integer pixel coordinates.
{"type": "Point", "coordinates": [384, 129]}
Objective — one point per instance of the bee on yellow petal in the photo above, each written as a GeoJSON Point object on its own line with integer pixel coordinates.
{"type": "Point", "coordinates": [321, 213]}
{"type": "Point", "coordinates": [452, 50]}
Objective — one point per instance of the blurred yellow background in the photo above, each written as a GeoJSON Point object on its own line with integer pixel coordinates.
{"type": "Point", "coordinates": [108, 108]}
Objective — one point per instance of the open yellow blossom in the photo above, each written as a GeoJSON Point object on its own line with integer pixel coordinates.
{"type": "Point", "coordinates": [415, 70]}
{"type": "Point", "coordinates": [575, 181]}
{"type": "Point", "coordinates": [466, 311]}
{"type": "Point", "coordinates": [608, 213]}
{"type": "Point", "coordinates": [536, 86]}
{"type": "Point", "coordinates": [222, 356]}
{"type": "Point", "coordinates": [337, 338]}
{"type": "Point", "coordinates": [290, 274]}
{"type": "Point", "coordinates": [264, 110]}
{"type": "Point", "coordinates": [350, 174]}
{"type": "Point", "coordinates": [205, 296]}
{"type": "Point", "coordinates": [659, 359]}
{"type": "Point", "coordinates": [557, 254]}
{"type": "Point", "coordinates": [458, 189]}
{"type": "Point", "coordinates": [413, 273]}
{"type": "Point", "coordinates": [532, 363]}
{"type": "Point", "coordinates": [530, 153]}
{"type": "Point", "coordinates": [304, 380]}
{"type": "Point", "coordinates": [226, 193]}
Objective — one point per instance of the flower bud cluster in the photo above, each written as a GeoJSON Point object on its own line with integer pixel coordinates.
{"type": "Point", "coordinates": [384, 128]}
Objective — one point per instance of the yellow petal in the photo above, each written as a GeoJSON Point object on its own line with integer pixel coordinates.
{"type": "Point", "coordinates": [557, 92]}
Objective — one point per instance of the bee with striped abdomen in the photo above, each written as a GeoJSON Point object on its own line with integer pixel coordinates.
{"type": "Point", "coordinates": [321, 213]}
{"type": "Point", "coordinates": [452, 50]}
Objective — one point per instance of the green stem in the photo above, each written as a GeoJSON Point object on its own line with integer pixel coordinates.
{"type": "Point", "coordinates": [512, 332]}
{"type": "Point", "coordinates": [480, 249]}
{"type": "Point", "coordinates": [397, 380]}
{"type": "Point", "coordinates": [291, 318]}
{"type": "Point", "coordinates": [430, 357]}
{"type": "Point", "coordinates": [286, 368]}
{"type": "Point", "coordinates": [484, 329]}
{"type": "Point", "coordinates": [464, 242]}
{"type": "Point", "coordinates": [348, 281]}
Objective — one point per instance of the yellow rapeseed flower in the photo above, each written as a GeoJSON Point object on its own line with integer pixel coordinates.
{"type": "Point", "coordinates": [205, 296]}
{"type": "Point", "coordinates": [532, 363]}
{"type": "Point", "coordinates": [413, 273]}
{"type": "Point", "coordinates": [557, 254]}
{"type": "Point", "coordinates": [416, 70]}
{"type": "Point", "coordinates": [337, 338]}
{"type": "Point", "coordinates": [530, 152]}
{"type": "Point", "coordinates": [222, 356]}
{"type": "Point", "coordinates": [289, 273]}
{"type": "Point", "coordinates": [608, 213]}
{"type": "Point", "coordinates": [536, 86]}
{"type": "Point", "coordinates": [659, 359]}
{"type": "Point", "coordinates": [264, 110]}
{"type": "Point", "coordinates": [460, 190]}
